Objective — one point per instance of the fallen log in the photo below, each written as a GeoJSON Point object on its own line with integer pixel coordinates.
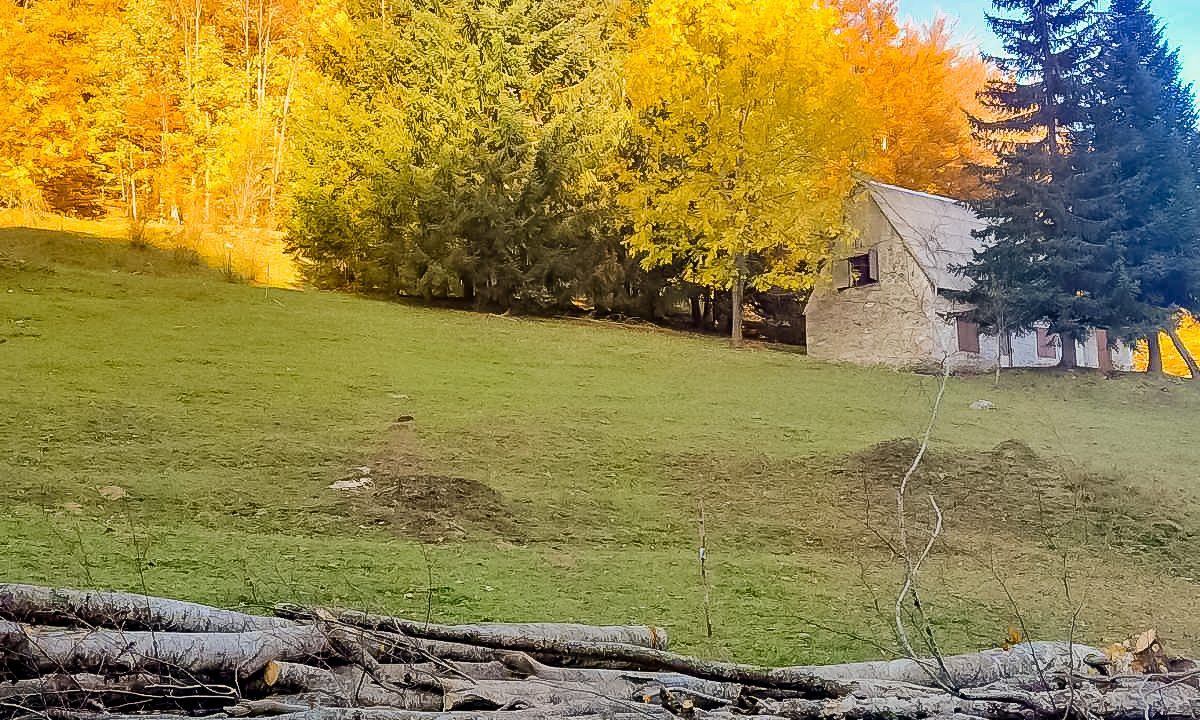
{"type": "Point", "coordinates": [612, 697]}
{"type": "Point", "coordinates": [26, 651]}
{"type": "Point", "coordinates": [648, 712]}
{"type": "Point", "coordinates": [800, 679]}
{"type": "Point", "coordinates": [968, 670]}
{"type": "Point", "coordinates": [502, 636]}
{"type": "Point", "coordinates": [36, 605]}
{"type": "Point", "coordinates": [326, 666]}
{"type": "Point", "coordinates": [348, 686]}
{"type": "Point", "coordinates": [642, 684]}
{"type": "Point", "coordinates": [121, 691]}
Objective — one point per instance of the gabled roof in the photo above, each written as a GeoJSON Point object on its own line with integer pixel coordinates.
{"type": "Point", "coordinates": [937, 230]}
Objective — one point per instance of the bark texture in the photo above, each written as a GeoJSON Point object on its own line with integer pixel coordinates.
{"type": "Point", "coordinates": [503, 636]}
{"type": "Point", "coordinates": [122, 611]}
{"type": "Point", "coordinates": [321, 665]}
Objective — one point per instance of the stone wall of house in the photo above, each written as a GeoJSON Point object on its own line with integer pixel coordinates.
{"type": "Point", "coordinates": [884, 323]}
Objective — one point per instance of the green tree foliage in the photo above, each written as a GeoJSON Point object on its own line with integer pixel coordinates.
{"type": "Point", "coordinates": [473, 138]}
{"type": "Point", "coordinates": [1035, 266]}
{"type": "Point", "coordinates": [1136, 177]}
{"type": "Point", "coordinates": [749, 124]}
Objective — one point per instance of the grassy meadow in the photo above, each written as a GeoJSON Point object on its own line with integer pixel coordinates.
{"type": "Point", "coordinates": [165, 430]}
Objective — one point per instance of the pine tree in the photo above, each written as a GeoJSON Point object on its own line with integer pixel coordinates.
{"type": "Point", "coordinates": [1137, 179]}
{"type": "Point", "coordinates": [1034, 265]}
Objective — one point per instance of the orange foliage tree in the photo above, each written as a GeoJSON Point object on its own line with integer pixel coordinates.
{"type": "Point", "coordinates": [161, 108]}
{"type": "Point", "coordinates": [48, 87]}
{"type": "Point", "coordinates": [922, 87]}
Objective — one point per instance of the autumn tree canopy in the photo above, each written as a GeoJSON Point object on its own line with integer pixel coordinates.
{"type": "Point", "coordinates": [519, 153]}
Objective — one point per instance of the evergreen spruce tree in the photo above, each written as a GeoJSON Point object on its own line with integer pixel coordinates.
{"type": "Point", "coordinates": [1034, 265]}
{"type": "Point", "coordinates": [1136, 176]}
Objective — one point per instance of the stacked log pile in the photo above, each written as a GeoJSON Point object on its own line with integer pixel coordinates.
{"type": "Point", "coordinates": [78, 655]}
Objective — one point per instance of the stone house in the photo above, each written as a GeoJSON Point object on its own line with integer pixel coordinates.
{"type": "Point", "coordinates": [888, 301]}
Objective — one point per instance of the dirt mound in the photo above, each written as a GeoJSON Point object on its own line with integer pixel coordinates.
{"type": "Point", "coordinates": [1011, 488]}
{"type": "Point", "coordinates": [1012, 461]}
{"type": "Point", "coordinates": [392, 491]}
{"type": "Point", "coordinates": [436, 506]}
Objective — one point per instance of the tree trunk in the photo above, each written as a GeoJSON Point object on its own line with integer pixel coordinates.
{"type": "Point", "coordinates": [1154, 364]}
{"type": "Point", "coordinates": [225, 655]}
{"type": "Point", "coordinates": [127, 691]}
{"type": "Point", "coordinates": [133, 206]}
{"type": "Point", "coordinates": [1069, 360]}
{"type": "Point", "coordinates": [736, 307]}
{"type": "Point", "coordinates": [123, 611]}
{"type": "Point", "coordinates": [350, 686]}
{"type": "Point", "coordinates": [526, 637]}
{"type": "Point", "coordinates": [1186, 354]}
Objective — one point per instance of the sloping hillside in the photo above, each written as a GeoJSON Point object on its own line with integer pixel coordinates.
{"type": "Point", "coordinates": [167, 431]}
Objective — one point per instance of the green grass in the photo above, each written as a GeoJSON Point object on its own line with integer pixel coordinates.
{"type": "Point", "coordinates": [224, 411]}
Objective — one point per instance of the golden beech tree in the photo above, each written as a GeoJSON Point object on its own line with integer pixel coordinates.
{"type": "Point", "coordinates": [48, 87]}
{"type": "Point", "coordinates": [749, 125]}
{"type": "Point", "coordinates": [922, 87]}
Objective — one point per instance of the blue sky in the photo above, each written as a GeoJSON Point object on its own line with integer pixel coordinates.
{"type": "Point", "coordinates": [1182, 18]}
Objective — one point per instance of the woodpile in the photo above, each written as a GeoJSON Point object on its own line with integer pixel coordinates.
{"type": "Point", "coordinates": [79, 655]}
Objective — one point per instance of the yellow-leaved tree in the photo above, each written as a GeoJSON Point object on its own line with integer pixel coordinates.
{"type": "Point", "coordinates": [749, 122]}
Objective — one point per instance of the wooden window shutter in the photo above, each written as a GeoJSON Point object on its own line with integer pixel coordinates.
{"type": "Point", "coordinates": [968, 336]}
{"type": "Point", "coordinates": [1046, 345]}
{"type": "Point", "coordinates": [841, 274]}
{"type": "Point", "coordinates": [873, 262]}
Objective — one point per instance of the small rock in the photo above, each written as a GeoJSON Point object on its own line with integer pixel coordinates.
{"type": "Point", "coordinates": [983, 405]}
{"type": "Point", "coordinates": [352, 484]}
{"type": "Point", "coordinates": [112, 492]}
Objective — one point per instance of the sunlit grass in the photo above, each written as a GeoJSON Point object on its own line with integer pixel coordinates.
{"type": "Point", "coordinates": [224, 411]}
{"type": "Point", "coordinates": [253, 255]}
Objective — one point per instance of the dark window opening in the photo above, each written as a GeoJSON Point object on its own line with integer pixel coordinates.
{"type": "Point", "coordinates": [862, 270]}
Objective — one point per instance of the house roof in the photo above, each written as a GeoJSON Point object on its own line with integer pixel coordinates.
{"type": "Point", "coordinates": [937, 230]}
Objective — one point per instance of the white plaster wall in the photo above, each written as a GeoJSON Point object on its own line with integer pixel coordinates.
{"type": "Point", "coordinates": [1024, 349]}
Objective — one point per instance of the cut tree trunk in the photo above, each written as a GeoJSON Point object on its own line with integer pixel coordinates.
{"type": "Point", "coordinates": [349, 686]}
{"type": "Point", "coordinates": [969, 670]}
{"type": "Point", "coordinates": [203, 655]}
{"type": "Point", "coordinates": [502, 636]}
{"type": "Point", "coordinates": [644, 683]}
{"type": "Point", "coordinates": [643, 712]}
{"type": "Point", "coordinates": [584, 654]}
{"type": "Point", "coordinates": [123, 611]}
{"type": "Point", "coordinates": [125, 691]}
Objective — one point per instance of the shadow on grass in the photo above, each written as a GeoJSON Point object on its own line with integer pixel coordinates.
{"type": "Point", "coordinates": [42, 250]}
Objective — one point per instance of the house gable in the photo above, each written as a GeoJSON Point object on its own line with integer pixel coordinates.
{"type": "Point", "coordinates": [885, 322]}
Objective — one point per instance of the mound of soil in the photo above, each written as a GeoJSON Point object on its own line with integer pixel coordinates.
{"type": "Point", "coordinates": [1012, 488]}
{"type": "Point", "coordinates": [433, 507]}
{"type": "Point", "coordinates": [402, 498]}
